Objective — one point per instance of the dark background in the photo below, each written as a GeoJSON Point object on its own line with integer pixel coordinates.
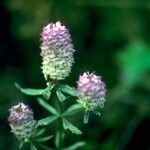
{"type": "Point", "coordinates": [111, 37]}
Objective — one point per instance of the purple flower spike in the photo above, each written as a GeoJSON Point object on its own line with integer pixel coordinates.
{"type": "Point", "coordinates": [57, 51]}
{"type": "Point", "coordinates": [91, 91]}
{"type": "Point", "coordinates": [21, 121]}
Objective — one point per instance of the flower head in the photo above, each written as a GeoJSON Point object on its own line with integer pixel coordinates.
{"type": "Point", "coordinates": [91, 91]}
{"type": "Point", "coordinates": [21, 121]}
{"type": "Point", "coordinates": [56, 51]}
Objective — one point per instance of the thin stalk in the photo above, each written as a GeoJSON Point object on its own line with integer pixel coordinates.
{"type": "Point", "coordinates": [60, 124]}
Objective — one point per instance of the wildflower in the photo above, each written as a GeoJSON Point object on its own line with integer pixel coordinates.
{"type": "Point", "coordinates": [21, 121]}
{"type": "Point", "coordinates": [91, 91]}
{"type": "Point", "coordinates": [56, 51]}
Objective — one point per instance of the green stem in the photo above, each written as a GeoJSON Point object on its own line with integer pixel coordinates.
{"type": "Point", "coordinates": [60, 125]}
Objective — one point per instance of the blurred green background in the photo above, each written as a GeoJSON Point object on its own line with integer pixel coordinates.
{"type": "Point", "coordinates": [111, 37]}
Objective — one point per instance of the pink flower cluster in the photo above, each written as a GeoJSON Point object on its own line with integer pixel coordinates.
{"type": "Point", "coordinates": [56, 37]}
{"type": "Point", "coordinates": [91, 89]}
{"type": "Point", "coordinates": [20, 113]}
{"type": "Point", "coordinates": [21, 121]}
{"type": "Point", "coordinates": [56, 51]}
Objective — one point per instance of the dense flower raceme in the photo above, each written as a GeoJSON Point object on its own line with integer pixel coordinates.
{"type": "Point", "coordinates": [56, 51]}
{"type": "Point", "coordinates": [91, 91]}
{"type": "Point", "coordinates": [21, 121]}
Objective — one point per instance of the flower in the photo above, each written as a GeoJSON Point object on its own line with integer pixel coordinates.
{"type": "Point", "coordinates": [56, 51]}
{"type": "Point", "coordinates": [91, 91]}
{"type": "Point", "coordinates": [21, 121]}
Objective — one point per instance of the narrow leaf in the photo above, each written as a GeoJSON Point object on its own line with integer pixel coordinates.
{"type": "Point", "coordinates": [75, 146]}
{"type": "Point", "coordinates": [39, 132]}
{"type": "Point", "coordinates": [69, 90]}
{"type": "Point", "coordinates": [47, 120]}
{"type": "Point", "coordinates": [60, 96]}
{"type": "Point", "coordinates": [97, 113]}
{"type": "Point", "coordinates": [86, 117]}
{"type": "Point", "coordinates": [28, 91]}
{"type": "Point", "coordinates": [32, 146]}
{"type": "Point", "coordinates": [43, 139]}
{"type": "Point", "coordinates": [47, 106]}
{"type": "Point", "coordinates": [21, 144]}
{"type": "Point", "coordinates": [72, 128]}
{"type": "Point", "coordinates": [44, 147]}
{"type": "Point", "coordinates": [47, 92]}
{"type": "Point", "coordinates": [75, 108]}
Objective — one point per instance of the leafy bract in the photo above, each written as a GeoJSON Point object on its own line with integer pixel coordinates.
{"type": "Point", "coordinates": [32, 146]}
{"type": "Point", "coordinates": [44, 139]}
{"type": "Point", "coordinates": [69, 90]}
{"type": "Point", "coordinates": [21, 144]}
{"type": "Point", "coordinates": [73, 109]}
{"type": "Point", "coordinates": [71, 127]}
{"type": "Point", "coordinates": [46, 121]}
{"type": "Point", "coordinates": [60, 96]}
{"type": "Point", "coordinates": [75, 146]}
{"type": "Point", "coordinates": [86, 117]}
{"type": "Point", "coordinates": [47, 106]}
{"type": "Point", "coordinates": [35, 92]}
{"type": "Point", "coordinates": [29, 91]}
{"type": "Point", "coordinates": [39, 132]}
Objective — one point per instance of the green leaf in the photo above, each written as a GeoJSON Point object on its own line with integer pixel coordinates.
{"type": "Point", "coordinates": [75, 108]}
{"type": "Point", "coordinates": [86, 117]}
{"type": "Point", "coordinates": [60, 96]}
{"type": "Point", "coordinates": [47, 92]}
{"type": "Point", "coordinates": [39, 132]}
{"type": "Point", "coordinates": [34, 92]}
{"type": "Point", "coordinates": [97, 113]}
{"type": "Point", "coordinates": [47, 106]}
{"type": "Point", "coordinates": [47, 120]}
{"type": "Point", "coordinates": [32, 146]}
{"type": "Point", "coordinates": [44, 147]}
{"type": "Point", "coordinates": [28, 91]}
{"type": "Point", "coordinates": [26, 140]}
{"type": "Point", "coordinates": [72, 128]}
{"type": "Point", "coordinates": [69, 90]}
{"type": "Point", "coordinates": [75, 146]}
{"type": "Point", "coordinates": [21, 144]}
{"type": "Point", "coordinates": [43, 139]}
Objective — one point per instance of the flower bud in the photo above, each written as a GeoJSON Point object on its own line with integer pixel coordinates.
{"type": "Point", "coordinates": [91, 91]}
{"type": "Point", "coordinates": [21, 121]}
{"type": "Point", "coordinates": [56, 51]}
